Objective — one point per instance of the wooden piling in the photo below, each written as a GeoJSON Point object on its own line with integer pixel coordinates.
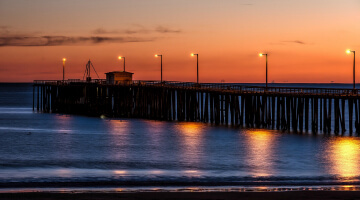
{"type": "Point", "coordinates": [221, 107]}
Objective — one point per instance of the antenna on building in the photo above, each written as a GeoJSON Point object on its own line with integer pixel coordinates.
{"type": "Point", "coordinates": [87, 71]}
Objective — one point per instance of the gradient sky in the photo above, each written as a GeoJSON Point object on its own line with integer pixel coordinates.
{"type": "Point", "coordinates": [306, 40]}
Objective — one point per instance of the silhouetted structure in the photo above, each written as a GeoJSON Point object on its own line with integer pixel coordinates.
{"type": "Point", "coordinates": [296, 109]}
{"type": "Point", "coordinates": [118, 77]}
{"type": "Point", "coordinates": [87, 73]}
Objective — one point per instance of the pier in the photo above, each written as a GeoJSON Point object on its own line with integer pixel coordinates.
{"type": "Point", "coordinates": [288, 109]}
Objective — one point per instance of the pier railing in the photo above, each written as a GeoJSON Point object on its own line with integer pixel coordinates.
{"type": "Point", "coordinates": [67, 82]}
{"type": "Point", "coordinates": [282, 108]}
{"type": "Point", "coordinates": [229, 87]}
{"type": "Point", "coordinates": [253, 89]}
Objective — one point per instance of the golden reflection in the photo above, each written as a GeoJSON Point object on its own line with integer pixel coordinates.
{"type": "Point", "coordinates": [155, 172]}
{"type": "Point", "coordinates": [190, 128]}
{"type": "Point", "coordinates": [260, 151]}
{"type": "Point", "coordinates": [119, 126]}
{"type": "Point", "coordinates": [348, 187]}
{"type": "Point", "coordinates": [191, 171]}
{"type": "Point", "coordinates": [191, 138]}
{"type": "Point", "coordinates": [120, 172]}
{"type": "Point", "coordinates": [344, 156]}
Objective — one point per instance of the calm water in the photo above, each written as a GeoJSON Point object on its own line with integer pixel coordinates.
{"type": "Point", "coordinates": [65, 150]}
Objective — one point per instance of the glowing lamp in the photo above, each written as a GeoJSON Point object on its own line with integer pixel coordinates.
{"type": "Point", "coordinates": [160, 55]}
{"type": "Point", "coordinates": [348, 52]}
{"type": "Point", "coordinates": [120, 57]}
{"type": "Point", "coordinates": [192, 54]}
{"type": "Point", "coordinates": [64, 59]}
{"type": "Point", "coordinates": [266, 55]}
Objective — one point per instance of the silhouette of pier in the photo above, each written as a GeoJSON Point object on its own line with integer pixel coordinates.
{"type": "Point", "coordinates": [282, 108]}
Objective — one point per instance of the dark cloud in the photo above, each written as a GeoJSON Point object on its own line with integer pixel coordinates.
{"type": "Point", "coordinates": [64, 40]}
{"type": "Point", "coordinates": [137, 30]}
{"type": "Point", "coordinates": [101, 31]}
{"type": "Point", "coordinates": [295, 41]}
{"type": "Point", "coordinates": [162, 29]}
{"type": "Point", "coordinates": [8, 31]}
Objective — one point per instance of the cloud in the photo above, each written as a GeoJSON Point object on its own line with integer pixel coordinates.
{"type": "Point", "coordinates": [12, 37]}
{"type": "Point", "coordinates": [294, 41]}
{"type": "Point", "coordinates": [286, 42]}
{"type": "Point", "coordinates": [101, 31]}
{"type": "Point", "coordinates": [162, 29]}
{"type": "Point", "coordinates": [137, 30]}
{"type": "Point", "coordinates": [8, 31]}
{"type": "Point", "coordinates": [64, 40]}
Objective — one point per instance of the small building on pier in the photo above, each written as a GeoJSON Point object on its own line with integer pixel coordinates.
{"type": "Point", "coordinates": [119, 77]}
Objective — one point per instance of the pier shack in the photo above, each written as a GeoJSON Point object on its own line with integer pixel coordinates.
{"type": "Point", "coordinates": [119, 77]}
{"type": "Point", "coordinates": [288, 109]}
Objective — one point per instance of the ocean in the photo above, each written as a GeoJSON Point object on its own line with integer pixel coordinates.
{"type": "Point", "coordinates": [67, 152]}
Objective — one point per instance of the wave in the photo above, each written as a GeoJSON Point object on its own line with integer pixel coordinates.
{"type": "Point", "coordinates": [31, 130]}
{"type": "Point", "coordinates": [12, 110]}
{"type": "Point", "coordinates": [75, 177]}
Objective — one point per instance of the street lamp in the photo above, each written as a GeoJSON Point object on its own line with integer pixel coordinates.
{"type": "Point", "coordinates": [265, 54]}
{"type": "Point", "coordinates": [124, 60]}
{"type": "Point", "coordinates": [64, 59]}
{"type": "Point", "coordinates": [157, 55]}
{"type": "Point", "coordinates": [348, 52]}
{"type": "Point", "coordinates": [197, 66]}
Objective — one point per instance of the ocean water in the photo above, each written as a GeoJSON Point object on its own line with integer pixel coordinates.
{"type": "Point", "coordinates": [71, 151]}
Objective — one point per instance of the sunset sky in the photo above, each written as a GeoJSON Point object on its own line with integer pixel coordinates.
{"type": "Point", "coordinates": [305, 40]}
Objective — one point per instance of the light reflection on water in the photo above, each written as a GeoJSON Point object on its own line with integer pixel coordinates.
{"type": "Point", "coordinates": [261, 146]}
{"type": "Point", "coordinates": [119, 138]}
{"type": "Point", "coordinates": [343, 154]}
{"type": "Point", "coordinates": [191, 137]}
{"type": "Point", "coordinates": [76, 147]}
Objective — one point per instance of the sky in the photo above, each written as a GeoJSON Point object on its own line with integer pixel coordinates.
{"type": "Point", "coordinates": [305, 40]}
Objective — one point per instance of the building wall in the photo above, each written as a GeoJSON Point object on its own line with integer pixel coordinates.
{"type": "Point", "coordinates": [118, 78]}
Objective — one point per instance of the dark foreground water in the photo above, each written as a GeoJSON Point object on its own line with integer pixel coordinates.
{"type": "Point", "coordinates": [53, 150]}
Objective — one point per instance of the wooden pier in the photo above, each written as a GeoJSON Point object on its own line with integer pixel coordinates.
{"type": "Point", "coordinates": [299, 110]}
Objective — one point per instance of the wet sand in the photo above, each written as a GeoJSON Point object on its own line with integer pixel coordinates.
{"type": "Point", "coordinates": [294, 195]}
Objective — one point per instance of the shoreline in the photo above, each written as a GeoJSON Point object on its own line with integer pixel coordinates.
{"type": "Point", "coordinates": [176, 189]}
{"type": "Point", "coordinates": [319, 195]}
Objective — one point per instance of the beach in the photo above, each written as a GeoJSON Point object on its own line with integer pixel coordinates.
{"type": "Point", "coordinates": [294, 195]}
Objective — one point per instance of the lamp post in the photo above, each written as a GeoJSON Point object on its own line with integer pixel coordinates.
{"type": "Point", "coordinates": [124, 60]}
{"type": "Point", "coordinates": [265, 54]}
{"type": "Point", "coordinates": [197, 66]}
{"type": "Point", "coordinates": [157, 55]}
{"type": "Point", "coordinates": [64, 59]}
{"type": "Point", "coordinates": [348, 52]}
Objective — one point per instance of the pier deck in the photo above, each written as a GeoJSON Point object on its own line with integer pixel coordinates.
{"type": "Point", "coordinates": [284, 108]}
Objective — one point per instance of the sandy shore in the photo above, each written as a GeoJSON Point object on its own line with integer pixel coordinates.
{"type": "Point", "coordinates": [294, 195]}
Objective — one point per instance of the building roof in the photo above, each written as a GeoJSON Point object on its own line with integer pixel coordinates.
{"type": "Point", "coordinates": [123, 72]}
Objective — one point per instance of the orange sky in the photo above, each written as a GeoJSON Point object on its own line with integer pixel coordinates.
{"type": "Point", "coordinates": [306, 40]}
